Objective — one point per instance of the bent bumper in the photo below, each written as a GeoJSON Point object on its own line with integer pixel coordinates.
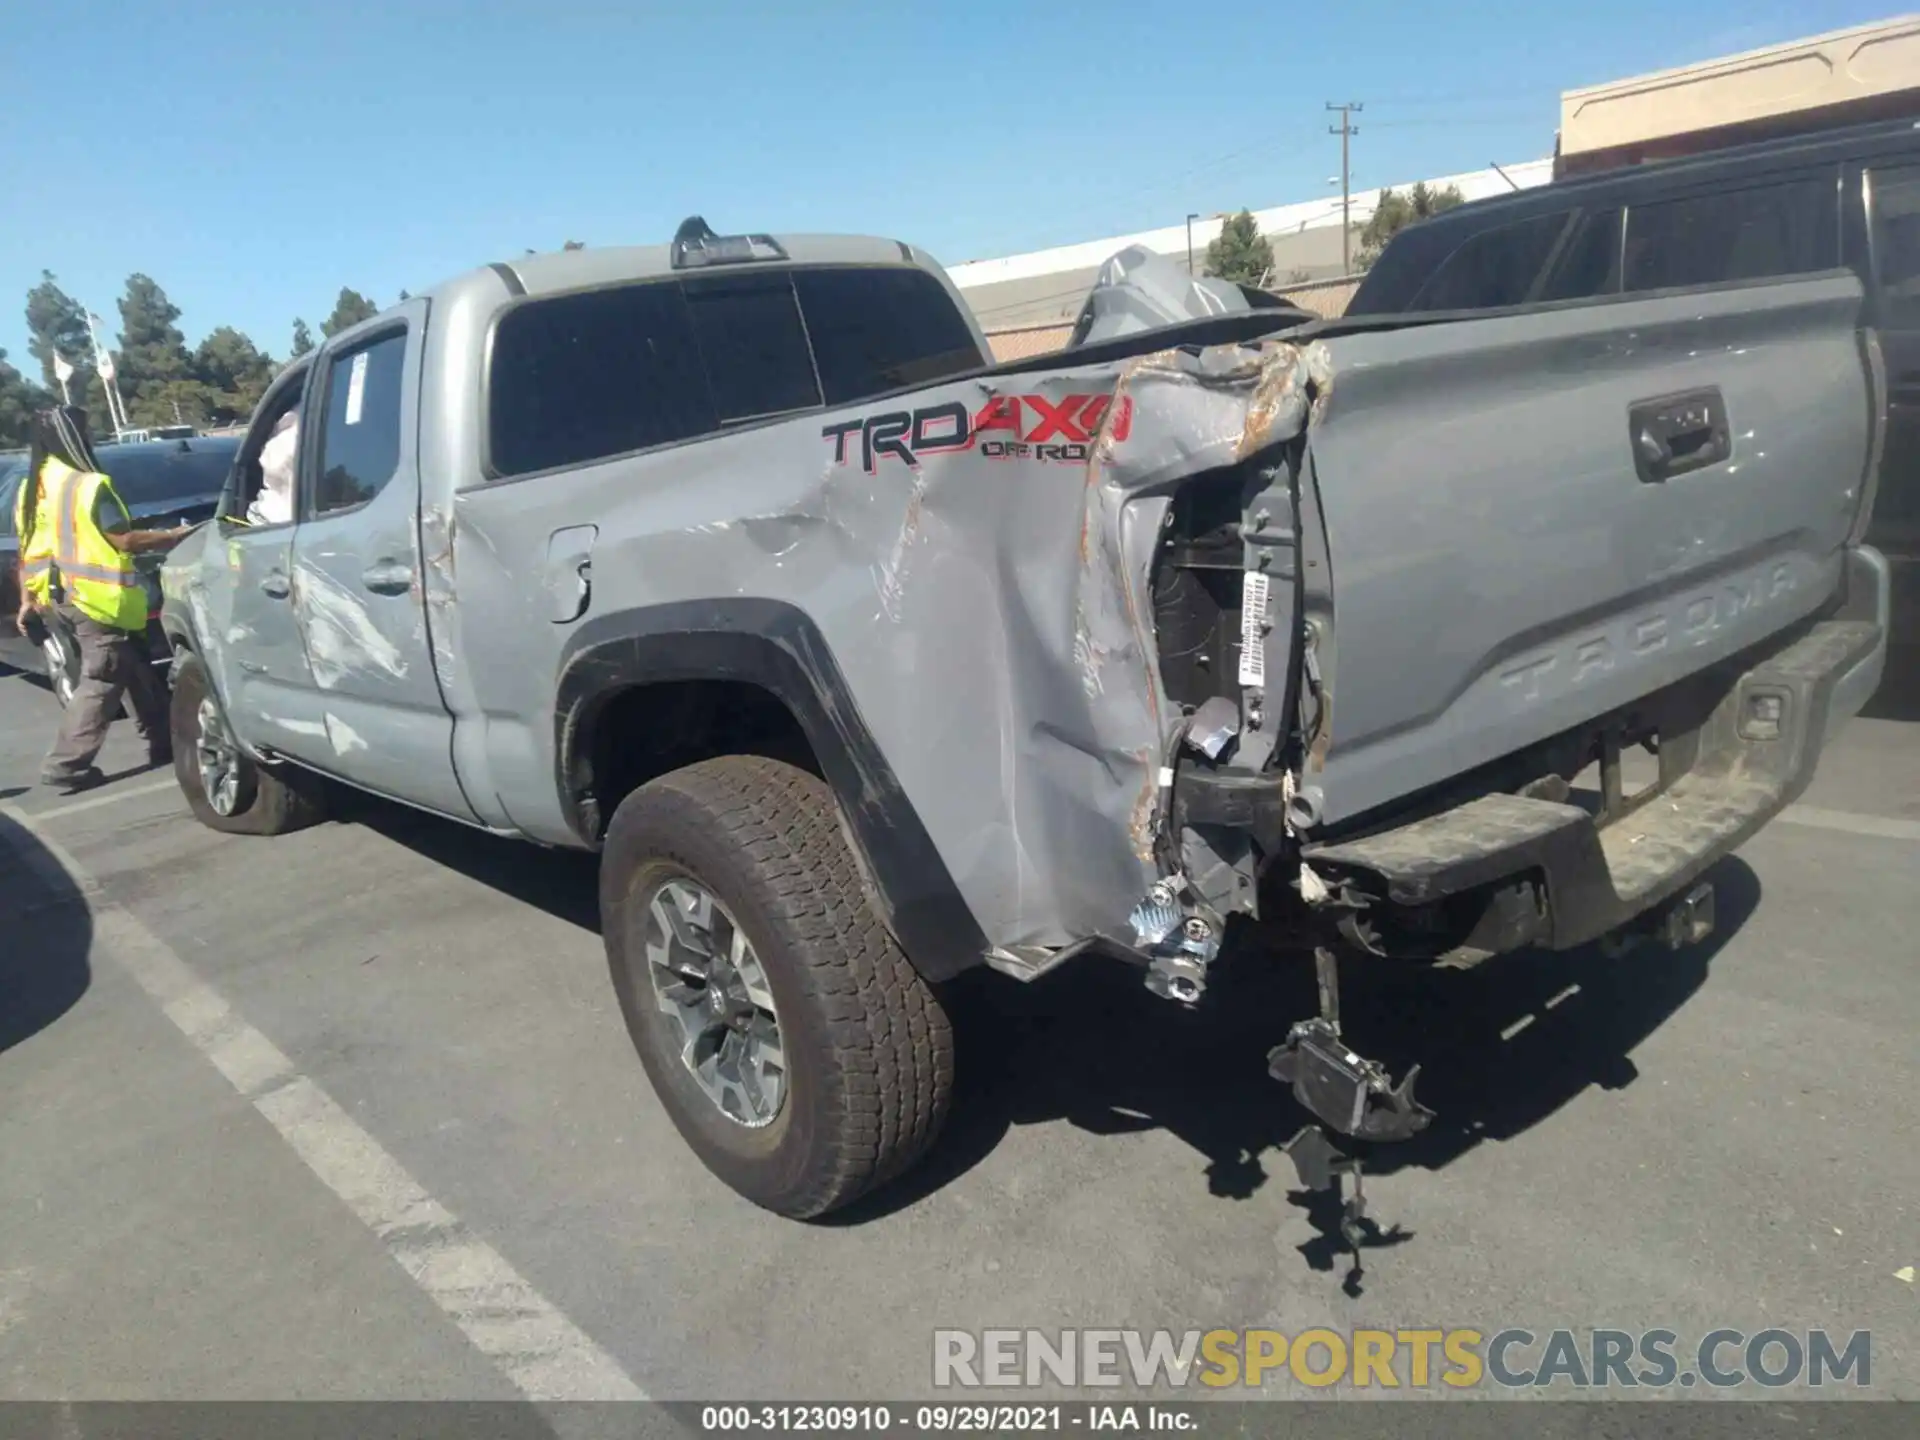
{"type": "Point", "coordinates": [1569, 877]}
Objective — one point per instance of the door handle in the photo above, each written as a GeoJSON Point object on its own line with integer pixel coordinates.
{"type": "Point", "coordinates": [388, 577]}
{"type": "Point", "coordinates": [1674, 434]}
{"type": "Point", "coordinates": [275, 583]}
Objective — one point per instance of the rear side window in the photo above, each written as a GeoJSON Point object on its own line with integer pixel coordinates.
{"type": "Point", "coordinates": [581, 377]}
{"type": "Point", "coordinates": [585, 377]}
{"type": "Point", "coordinates": [1494, 268]}
{"type": "Point", "coordinates": [880, 330]}
{"type": "Point", "coordinates": [360, 438]}
{"type": "Point", "coordinates": [1784, 228]}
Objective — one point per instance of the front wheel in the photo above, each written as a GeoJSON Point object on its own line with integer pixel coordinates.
{"type": "Point", "coordinates": [225, 789]}
{"type": "Point", "coordinates": [61, 655]}
{"type": "Point", "coordinates": [797, 1051]}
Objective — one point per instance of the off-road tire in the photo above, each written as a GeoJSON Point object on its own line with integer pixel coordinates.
{"type": "Point", "coordinates": [868, 1047]}
{"type": "Point", "coordinates": [270, 802]}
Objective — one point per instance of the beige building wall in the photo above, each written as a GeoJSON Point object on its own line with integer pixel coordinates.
{"type": "Point", "coordinates": [1865, 73]}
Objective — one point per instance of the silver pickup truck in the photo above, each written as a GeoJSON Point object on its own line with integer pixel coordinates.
{"type": "Point", "coordinates": [862, 661]}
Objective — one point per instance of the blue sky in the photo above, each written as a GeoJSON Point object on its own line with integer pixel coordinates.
{"type": "Point", "coordinates": [255, 158]}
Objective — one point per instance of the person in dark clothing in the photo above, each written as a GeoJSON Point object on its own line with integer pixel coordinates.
{"type": "Point", "coordinates": [77, 544]}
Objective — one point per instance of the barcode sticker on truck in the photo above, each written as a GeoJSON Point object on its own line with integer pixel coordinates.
{"type": "Point", "coordinates": [1253, 624]}
{"type": "Point", "coordinates": [356, 387]}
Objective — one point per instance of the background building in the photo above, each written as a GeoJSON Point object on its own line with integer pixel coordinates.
{"type": "Point", "coordinates": [1870, 72]}
{"type": "Point", "coordinates": [1027, 303]}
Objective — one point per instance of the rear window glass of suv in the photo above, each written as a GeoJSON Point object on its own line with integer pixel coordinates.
{"type": "Point", "coordinates": [1896, 240]}
{"type": "Point", "coordinates": [1494, 268]}
{"type": "Point", "coordinates": [1589, 262]}
{"type": "Point", "coordinates": [1784, 228]}
{"type": "Point", "coordinates": [163, 473]}
{"type": "Point", "coordinates": [875, 330]}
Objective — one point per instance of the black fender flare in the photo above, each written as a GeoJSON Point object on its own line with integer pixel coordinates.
{"type": "Point", "coordinates": [777, 648]}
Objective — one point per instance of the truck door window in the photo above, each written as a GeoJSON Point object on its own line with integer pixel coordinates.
{"type": "Point", "coordinates": [1787, 227]}
{"type": "Point", "coordinates": [876, 329]}
{"type": "Point", "coordinates": [749, 333]}
{"type": "Point", "coordinates": [360, 439]}
{"type": "Point", "coordinates": [1896, 242]}
{"type": "Point", "coordinates": [583, 377]}
{"type": "Point", "coordinates": [1494, 268]}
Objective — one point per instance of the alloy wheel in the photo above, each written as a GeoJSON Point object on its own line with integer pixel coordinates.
{"type": "Point", "coordinates": [712, 988]}
{"type": "Point", "coordinates": [218, 759]}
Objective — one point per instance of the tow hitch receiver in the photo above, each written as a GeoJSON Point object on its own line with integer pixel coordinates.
{"type": "Point", "coordinates": [1345, 1092]}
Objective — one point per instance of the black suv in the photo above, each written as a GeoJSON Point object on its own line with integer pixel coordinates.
{"type": "Point", "coordinates": [163, 483]}
{"type": "Point", "coordinates": [1842, 199]}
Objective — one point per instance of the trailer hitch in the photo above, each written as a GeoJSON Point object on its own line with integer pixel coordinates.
{"type": "Point", "coordinates": [1347, 1093]}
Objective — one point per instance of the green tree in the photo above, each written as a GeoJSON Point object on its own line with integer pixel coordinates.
{"type": "Point", "coordinates": [1240, 252]}
{"type": "Point", "coordinates": [19, 398]}
{"type": "Point", "coordinates": [56, 324]}
{"type": "Point", "coordinates": [233, 374]}
{"type": "Point", "coordinates": [302, 340]}
{"type": "Point", "coordinates": [349, 310]}
{"type": "Point", "coordinates": [574, 245]}
{"type": "Point", "coordinates": [154, 371]}
{"type": "Point", "coordinates": [1396, 211]}
{"type": "Point", "coordinates": [405, 296]}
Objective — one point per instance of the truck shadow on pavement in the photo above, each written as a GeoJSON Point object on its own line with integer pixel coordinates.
{"type": "Point", "coordinates": [1898, 697]}
{"type": "Point", "coordinates": [46, 932]}
{"type": "Point", "coordinates": [1502, 1048]}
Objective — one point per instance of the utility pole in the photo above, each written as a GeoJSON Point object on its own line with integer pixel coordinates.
{"type": "Point", "coordinates": [1190, 219]}
{"type": "Point", "coordinates": [1346, 130]}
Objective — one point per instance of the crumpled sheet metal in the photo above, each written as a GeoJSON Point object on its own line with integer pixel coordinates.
{"type": "Point", "coordinates": [341, 637]}
{"type": "Point", "coordinates": [437, 588]}
{"type": "Point", "coordinates": [977, 558]}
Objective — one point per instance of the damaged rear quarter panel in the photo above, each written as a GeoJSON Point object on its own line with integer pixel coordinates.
{"type": "Point", "coordinates": [977, 556]}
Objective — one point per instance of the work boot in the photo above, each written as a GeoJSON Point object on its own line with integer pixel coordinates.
{"type": "Point", "coordinates": [76, 781]}
{"type": "Point", "coordinates": [160, 756]}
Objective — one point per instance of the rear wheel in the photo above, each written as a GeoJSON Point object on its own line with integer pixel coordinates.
{"type": "Point", "coordinates": [797, 1051]}
{"type": "Point", "coordinates": [226, 790]}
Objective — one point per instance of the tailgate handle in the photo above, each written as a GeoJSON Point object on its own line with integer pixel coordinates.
{"type": "Point", "coordinates": [1674, 434]}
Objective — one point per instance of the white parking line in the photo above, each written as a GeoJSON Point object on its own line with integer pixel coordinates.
{"type": "Point", "coordinates": [1851, 822]}
{"type": "Point", "coordinates": [523, 1333]}
{"type": "Point", "coordinates": [57, 812]}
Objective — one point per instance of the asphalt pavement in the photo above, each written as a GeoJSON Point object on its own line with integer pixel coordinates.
{"type": "Point", "coordinates": [350, 1114]}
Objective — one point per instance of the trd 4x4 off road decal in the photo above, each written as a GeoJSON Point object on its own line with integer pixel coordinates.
{"type": "Point", "coordinates": [1007, 427]}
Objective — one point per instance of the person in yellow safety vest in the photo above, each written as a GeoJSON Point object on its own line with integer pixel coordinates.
{"type": "Point", "coordinates": [77, 545]}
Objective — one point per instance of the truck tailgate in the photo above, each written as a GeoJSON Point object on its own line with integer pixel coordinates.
{"type": "Point", "coordinates": [1533, 520]}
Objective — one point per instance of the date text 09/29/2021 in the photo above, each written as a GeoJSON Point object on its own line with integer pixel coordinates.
{"type": "Point", "coordinates": [940, 1419]}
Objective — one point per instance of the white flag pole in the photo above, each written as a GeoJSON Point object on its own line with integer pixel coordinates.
{"type": "Point", "coordinates": [103, 362]}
